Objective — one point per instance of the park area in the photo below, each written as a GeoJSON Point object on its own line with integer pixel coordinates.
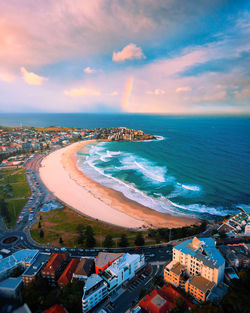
{"type": "Point", "coordinates": [65, 227]}
{"type": "Point", "coordinates": [14, 193]}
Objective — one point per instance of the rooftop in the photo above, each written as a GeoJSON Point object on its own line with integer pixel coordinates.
{"type": "Point", "coordinates": [55, 261]}
{"type": "Point", "coordinates": [66, 276]}
{"type": "Point", "coordinates": [201, 283]}
{"type": "Point", "coordinates": [158, 301]}
{"type": "Point", "coordinates": [203, 249]}
{"type": "Point", "coordinates": [85, 267]}
{"type": "Point", "coordinates": [93, 280]}
{"type": "Point", "coordinates": [103, 259]}
{"type": "Point", "coordinates": [10, 283]}
{"type": "Point", "coordinates": [21, 256]}
{"type": "Point", "coordinates": [37, 264]}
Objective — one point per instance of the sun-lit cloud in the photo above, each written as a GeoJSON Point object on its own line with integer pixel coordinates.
{"type": "Point", "coordinates": [32, 78]}
{"type": "Point", "coordinates": [182, 89]}
{"type": "Point", "coordinates": [82, 92]}
{"type": "Point", "coordinates": [89, 70]}
{"type": "Point", "coordinates": [156, 92]}
{"type": "Point", "coordinates": [7, 77]}
{"type": "Point", "coordinates": [130, 52]}
{"type": "Point", "coordinates": [114, 93]}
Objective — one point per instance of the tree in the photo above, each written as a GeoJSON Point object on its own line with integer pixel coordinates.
{"type": "Point", "coordinates": [81, 236]}
{"type": "Point", "coordinates": [123, 241]}
{"type": "Point", "coordinates": [180, 306]}
{"type": "Point", "coordinates": [139, 240]}
{"type": "Point", "coordinates": [90, 239]}
{"type": "Point", "coordinates": [41, 233]}
{"type": "Point", "coordinates": [61, 240]}
{"type": "Point", "coordinates": [4, 212]}
{"type": "Point", "coordinates": [108, 242]}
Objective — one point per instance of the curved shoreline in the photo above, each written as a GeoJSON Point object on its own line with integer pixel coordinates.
{"type": "Point", "coordinates": [61, 176]}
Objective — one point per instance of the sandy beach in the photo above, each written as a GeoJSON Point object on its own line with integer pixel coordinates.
{"type": "Point", "coordinates": [61, 176]}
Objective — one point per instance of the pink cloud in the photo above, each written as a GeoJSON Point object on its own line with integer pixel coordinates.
{"type": "Point", "coordinates": [130, 52]}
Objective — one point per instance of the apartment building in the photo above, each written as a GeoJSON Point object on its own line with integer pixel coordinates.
{"type": "Point", "coordinates": [94, 291]}
{"type": "Point", "coordinates": [54, 267]}
{"type": "Point", "coordinates": [84, 269]}
{"type": "Point", "coordinates": [196, 266]}
{"type": "Point", "coordinates": [35, 268]}
{"type": "Point", "coordinates": [124, 268]}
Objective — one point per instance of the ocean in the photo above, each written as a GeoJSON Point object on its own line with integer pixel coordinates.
{"type": "Point", "coordinates": [199, 167]}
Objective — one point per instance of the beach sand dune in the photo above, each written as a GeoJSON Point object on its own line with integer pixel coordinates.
{"type": "Point", "coordinates": [61, 176]}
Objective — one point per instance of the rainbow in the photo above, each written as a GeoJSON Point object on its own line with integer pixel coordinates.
{"type": "Point", "coordinates": [127, 93]}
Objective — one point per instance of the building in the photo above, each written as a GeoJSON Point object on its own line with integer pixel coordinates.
{"type": "Point", "coordinates": [162, 300]}
{"type": "Point", "coordinates": [94, 291]}
{"type": "Point", "coordinates": [22, 258]}
{"type": "Point", "coordinates": [236, 255]}
{"type": "Point", "coordinates": [57, 308]}
{"type": "Point", "coordinates": [54, 267]}
{"type": "Point", "coordinates": [199, 287]}
{"type": "Point", "coordinates": [197, 266]}
{"type": "Point", "coordinates": [124, 268]}
{"type": "Point", "coordinates": [11, 288]}
{"type": "Point", "coordinates": [104, 260]}
{"type": "Point", "coordinates": [67, 274]}
{"type": "Point", "coordinates": [247, 229]}
{"type": "Point", "coordinates": [84, 269]}
{"type": "Point", "coordinates": [35, 268]}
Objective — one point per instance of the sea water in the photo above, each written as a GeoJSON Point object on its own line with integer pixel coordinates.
{"type": "Point", "coordinates": [199, 166]}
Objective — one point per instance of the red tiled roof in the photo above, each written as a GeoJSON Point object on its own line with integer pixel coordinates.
{"type": "Point", "coordinates": [54, 262]}
{"type": "Point", "coordinates": [156, 303]}
{"type": "Point", "coordinates": [66, 276]}
{"type": "Point", "coordinates": [57, 308]}
{"type": "Point", "coordinates": [168, 293]}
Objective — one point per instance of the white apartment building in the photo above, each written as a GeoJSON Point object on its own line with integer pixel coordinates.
{"type": "Point", "coordinates": [122, 269]}
{"type": "Point", "coordinates": [94, 291]}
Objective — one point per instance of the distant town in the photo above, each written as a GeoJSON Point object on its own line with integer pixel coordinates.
{"type": "Point", "coordinates": [196, 268]}
{"type": "Point", "coordinates": [18, 140]}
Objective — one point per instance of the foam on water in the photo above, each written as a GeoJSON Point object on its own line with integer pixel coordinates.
{"type": "Point", "coordinates": [103, 165]}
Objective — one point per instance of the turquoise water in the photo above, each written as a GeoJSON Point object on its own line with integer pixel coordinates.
{"type": "Point", "coordinates": [201, 167]}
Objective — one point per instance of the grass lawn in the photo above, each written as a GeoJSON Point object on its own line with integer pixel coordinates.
{"type": "Point", "coordinates": [63, 223]}
{"type": "Point", "coordinates": [14, 208]}
{"type": "Point", "coordinates": [14, 181]}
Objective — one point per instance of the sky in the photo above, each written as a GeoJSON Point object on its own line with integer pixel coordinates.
{"type": "Point", "coordinates": [125, 56]}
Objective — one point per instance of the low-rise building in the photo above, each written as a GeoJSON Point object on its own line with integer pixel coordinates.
{"type": "Point", "coordinates": [11, 288]}
{"type": "Point", "coordinates": [33, 271]}
{"type": "Point", "coordinates": [84, 269]}
{"type": "Point", "coordinates": [67, 274]}
{"type": "Point", "coordinates": [237, 255]}
{"type": "Point", "coordinates": [199, 287]}
{"type": "Point", "coordinates": [22, 258]}
{"type": "Point", "coordinates": [94, 291]}
{"type": "Point", "coordinates": [54, 267]}
{"type": "Point", "coordinates": [104, 260]}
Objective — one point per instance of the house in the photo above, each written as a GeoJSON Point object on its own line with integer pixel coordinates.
{"type": "Point", "coordinates": [84, 269]}
{"type": "Point", "coordinates": [67, 274]}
